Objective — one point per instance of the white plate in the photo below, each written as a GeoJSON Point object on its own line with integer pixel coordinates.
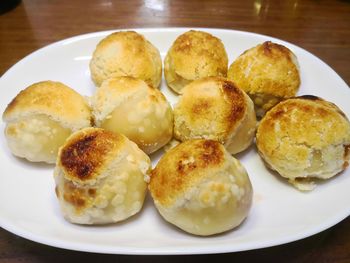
{"type": "Point", "coordinates": [280, 214]}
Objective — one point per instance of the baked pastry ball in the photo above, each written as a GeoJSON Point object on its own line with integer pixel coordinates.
{"type": "Point", "coordinates": [199, 187]}
{"type": "Point", "coordinates": [101, 177]}
{"type": "Point", "coordinates": [268, 73]}
{"type": "Point", "coordinates": [131, 107]}
{"type": "Point", "coordinates": [126, 53]}
{"type": "Point", "coordinates": [41, 117]}
{"type": "Point", "coordinates": [214, 108]}
{"type": "Point", "coordinates": [194, 55]}
{"type": "Point", "coordinates": [303, 139]}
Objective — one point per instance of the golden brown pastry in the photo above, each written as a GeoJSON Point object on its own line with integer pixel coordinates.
{"type": "Point", "coordinates": [126, 53]}
{"type": "Point", "coordinates": [303, 139]}
{"type": "Point", "coordinates": [268, 73]}
{"type": "Point", "coordinates": [41, 117]}
{"type": "Point", "coordinates": [214, 108]}
{"type": "Point", "coordinates": [199, 187]}
{"type": "Point", "coordinates": [129, 106]}
{"type": "Point", "coordinates": [194, 55]}
{"type": "Point", "coordinates": [101, 177]}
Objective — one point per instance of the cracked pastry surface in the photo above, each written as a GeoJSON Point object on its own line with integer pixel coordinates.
{"type": "Point", "coordinates": [214, 108]}
{"type": "Point", "coordinates": [101, 177]}
{"type": "Point", "coordinates": [199, 187]}
{"type": "Point", "coordinates": [131, 107]}
{"type": "Point", "coordinates": [41, 117]}
{"type": "Point", "coordinates": [194, 55]}
{"type": "Point", "coordinates": [268, 73]}
{"type": "Point", "coordinates": [303, 139]}
{"type": "Point", "coordinates": [126, 53]}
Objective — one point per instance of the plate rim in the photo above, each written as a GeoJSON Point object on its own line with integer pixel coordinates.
{"type": "Point", "coordinates": [164, 250]}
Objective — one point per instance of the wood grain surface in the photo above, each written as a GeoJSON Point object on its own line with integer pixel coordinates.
{"type": "Point", "coordinates": [321, 27]}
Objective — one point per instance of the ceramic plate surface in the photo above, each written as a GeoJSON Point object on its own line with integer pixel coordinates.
{"type": "Point", "coordinates": [279, 214]}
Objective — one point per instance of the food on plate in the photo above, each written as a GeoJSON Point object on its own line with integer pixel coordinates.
{"type": "Point", "coordinates": [199, 187]}
{"type": "Point", "coordinates": [214, 108]}
{"type": "Point", "coordinates": [126, 53]}
{"type": "Point", "coordinates": [304, 139]}
{"type": "Point", "coordinates": [101, 177]}
{"type": "Point", "coordinates": [194, 55]}
{"type": "Point", "coordinates": [131, 107]}
{"type": "Point", "coordinates": [268, 73]}
{"type": "Point", "coordinates": [41, 117]}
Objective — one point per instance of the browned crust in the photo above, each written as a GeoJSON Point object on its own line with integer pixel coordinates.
{"type": "Point", "coordinates": [79, 197]}
{"type": "Point", "coordinates": [321, 111]}
{"type": "Point", "coordinates": [269, 49]}
{"type": "Point", "coordinates": [238, 103]}
{"type": "Point", "coordinates": [74, 195]}
{"type": "Point", "coordinates": [191, 49]}
{"type": "Point", "coordinates": [192, 39]}
{"type": "Point", "coordinates": [183, 167]}
{"type": "Point", "coordinates": [137, 58]}
{"type": "Point", "coordinates": [315, 98]}
{"type": "Point", "coordinates": [308, 97]}
{"type": "Point", "coordinates": [52, 98]}
{"type": "Point", "coordinates": [269, 69]}
{"type": "Point", "coordinates": [297, 124]}
{"type": "Point", "coordinates": [86, 152]}
{"type": "Point", "coordinates": [346, 156]}
{"type": "Point", "coordinates": [201, 106]}
{"type": "Point", "coordinates": [132, 41]}
{"type": "Point", "coordinates": [226, 108]}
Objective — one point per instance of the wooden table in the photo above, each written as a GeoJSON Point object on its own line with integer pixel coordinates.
{"type": "Point", "coordinates": [321, 27]}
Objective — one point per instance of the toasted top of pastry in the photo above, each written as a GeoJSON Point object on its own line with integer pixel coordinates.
{"type": "Point", "coordinates": [198, 54]}
{"type": "Point", "coordinates": [305, 137]}
{"type": "Point", "coordinates": [268, 68]}
{"type": "Point", "coordinates": [126, 53]}
{"type": "Point", "coordinates": [201, 188]}
{"type": "Point", "coordinates": [210, 108]}
{"type": "Point", "coordinates": [87, 153]}
{"type": "Point", "coordinates": [194, 55]}
{"type": "Point", "coordinates": [311, 121]}
{"type": "Point", "coordinates": [101, 177]}
{"type": "Point", "coordinates": [182, 167]}
{"type": "Point", "coordinates": [53, 99]}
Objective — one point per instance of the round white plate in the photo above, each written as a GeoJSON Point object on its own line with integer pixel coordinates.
{"type": "Point", "coordinates": [280, 213]}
